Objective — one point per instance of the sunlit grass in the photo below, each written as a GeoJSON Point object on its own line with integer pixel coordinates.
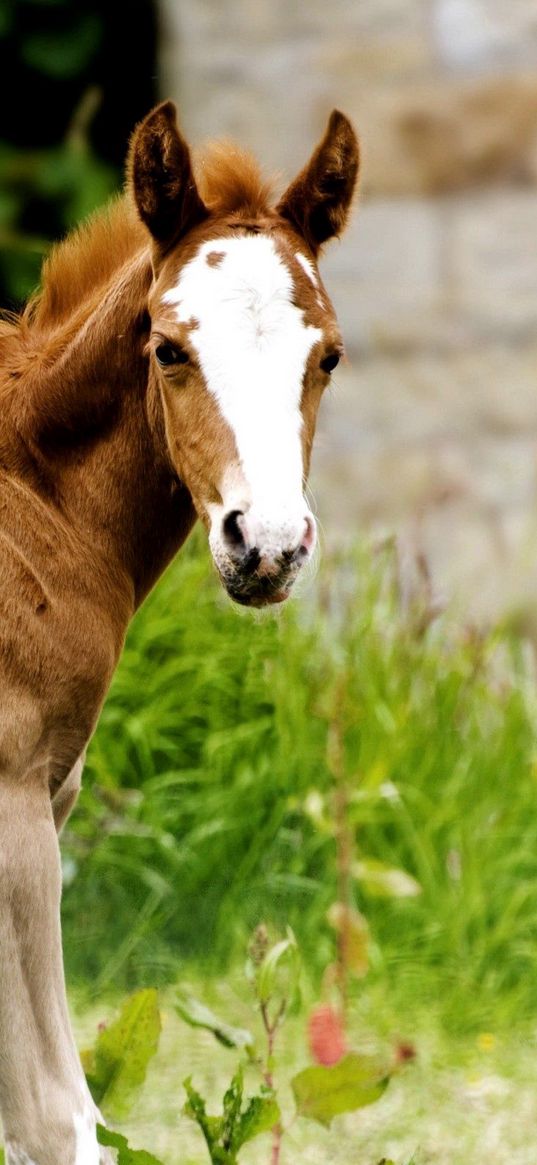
{"type": "Point", "coordinates": [208, 793]}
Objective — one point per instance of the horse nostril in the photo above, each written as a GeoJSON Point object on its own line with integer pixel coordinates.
{"type": "Point", "coordinates": [232, 528]}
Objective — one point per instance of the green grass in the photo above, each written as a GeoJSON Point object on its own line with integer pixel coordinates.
{"type": "Point", "coordinates": [208, 792]}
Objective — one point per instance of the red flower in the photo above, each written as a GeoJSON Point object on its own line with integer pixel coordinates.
{"type": "Point", "coordinates": [326, 1037]}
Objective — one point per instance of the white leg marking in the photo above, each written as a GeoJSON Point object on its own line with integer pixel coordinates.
{"type": "Point", "coordinates": [87, 1149]}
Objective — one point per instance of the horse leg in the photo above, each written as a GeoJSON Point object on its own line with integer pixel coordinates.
{"type": "Point", "coordinates": [47, 1112]}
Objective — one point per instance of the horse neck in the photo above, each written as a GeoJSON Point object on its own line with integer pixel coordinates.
{"type": "Point", "coordinates": [93, 438]}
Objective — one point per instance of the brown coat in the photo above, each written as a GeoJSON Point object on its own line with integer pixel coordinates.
{"type": "Point", "coordinates": [101, 477]}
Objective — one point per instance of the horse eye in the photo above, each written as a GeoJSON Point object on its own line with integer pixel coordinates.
{"type": "Point", "coordinates": [330, 362]}
{"type": "Point", "coordinates": [166, 354]}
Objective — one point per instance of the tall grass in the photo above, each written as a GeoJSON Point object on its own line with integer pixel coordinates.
{"type": "Point", "coordinates": [207, 801]}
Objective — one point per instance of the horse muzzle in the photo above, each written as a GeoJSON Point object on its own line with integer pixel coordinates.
{"type": "Point", "coordinates": [257, 562]}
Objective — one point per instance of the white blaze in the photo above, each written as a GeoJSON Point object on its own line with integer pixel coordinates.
{"type": "Point", "coordinates": [252, 344]}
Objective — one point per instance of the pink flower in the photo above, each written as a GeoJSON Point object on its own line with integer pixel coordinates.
{"type": "Point", "coordinates": [326, 1037]}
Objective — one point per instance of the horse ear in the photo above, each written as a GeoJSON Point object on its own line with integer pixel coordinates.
{"type": "Point", "coordinates": [318, 200]}
{"type": "Point", "coordinates": [159, 171]}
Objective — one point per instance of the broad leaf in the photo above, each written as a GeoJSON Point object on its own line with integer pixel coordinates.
{"type": "Point", "coordinates": [323, 1093]}
{"type": "Point", "coordinates": [116, 1067]}
{"type": "Point", "coordinates": [197, 1015]}
{"type": "Point", "coordinates": [126, 1155]}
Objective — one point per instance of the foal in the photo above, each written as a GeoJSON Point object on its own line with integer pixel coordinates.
{"type": "Point", "coordinates": [171, 368]}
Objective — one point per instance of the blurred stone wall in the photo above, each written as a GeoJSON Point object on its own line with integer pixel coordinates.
{"type": "Point", "coordinates": [433, 428]}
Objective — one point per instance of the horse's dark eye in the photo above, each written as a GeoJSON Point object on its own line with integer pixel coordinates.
{"type": "Point", "coordinates": [166, 354]}
{"type": "Point", "coordinates": [330, 362]}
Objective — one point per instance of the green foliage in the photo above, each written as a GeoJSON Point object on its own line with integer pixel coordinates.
{"type": "Point", "coordinates": [208, 793]}
{"type": "Point", "coordinates": [322, 1093]}
{"type": "Point", "coordinates": [196, 1014]}
{"type": "Point", "coordinates": [116, 1066]}
{"type": "Point", "coordinates": [225, 1135]}
{"type": "Point", "coordinates": [67, 51]}
{"type": "Point", "coordinates": [126, 1155]}
{"type": "Point", "coordinates": [278, 973]}
{"type": "Point", "coordinates": [56, 177]}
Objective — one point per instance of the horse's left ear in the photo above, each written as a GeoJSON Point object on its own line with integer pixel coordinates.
{"type": "Point", "coordinates": [318, 200]}
{"type": "Point", "coordinates": [159, 171]}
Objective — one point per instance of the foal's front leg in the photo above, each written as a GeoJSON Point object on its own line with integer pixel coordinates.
{"type": "Point", "coordinates": [47, 1112]}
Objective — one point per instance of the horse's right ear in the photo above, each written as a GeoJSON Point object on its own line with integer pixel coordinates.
{"type": "Point", "coordinates": [159, 171]}
{"type": "Point", "coordinates": [319, 199]}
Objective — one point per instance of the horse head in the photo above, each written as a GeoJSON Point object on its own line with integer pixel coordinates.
{"type": "Point", "coordinates": [243, 338]}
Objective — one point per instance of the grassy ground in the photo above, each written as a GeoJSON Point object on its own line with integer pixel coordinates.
{"type": "Point", "coordinates": [210, 806]}
{"type": "Point", "coordinates": [462, 1101]}
{"type": "Point", "coordinates": [209, 798]}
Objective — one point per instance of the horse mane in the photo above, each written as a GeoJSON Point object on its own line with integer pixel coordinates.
{"type": "Point", "coordinates": [85, 260]}
{"type": "Point", "coordinates": [230, 181]}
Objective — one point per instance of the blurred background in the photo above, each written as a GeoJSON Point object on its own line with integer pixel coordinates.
{"type": "Point", "coordinates": [432, 426]}
{"type": "Point", "coordinates": [211, 797]}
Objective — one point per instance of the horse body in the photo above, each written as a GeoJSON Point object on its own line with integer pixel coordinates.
{"type": "Point", "coordinates": [175, 373]}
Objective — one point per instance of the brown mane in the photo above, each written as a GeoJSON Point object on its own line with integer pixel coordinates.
{"type": "Point", "coordinates": [230, 179]}
{"type": "Point", "coordinates": [85, 260]}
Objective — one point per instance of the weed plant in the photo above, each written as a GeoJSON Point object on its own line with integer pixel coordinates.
{"type": "Point", "coordinates": [208, 804]}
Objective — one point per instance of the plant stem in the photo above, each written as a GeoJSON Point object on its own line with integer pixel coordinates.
{"type": "Point", "coordinates": [344, 841]}
{"type": "Point", "coordinates": [271, 1027]}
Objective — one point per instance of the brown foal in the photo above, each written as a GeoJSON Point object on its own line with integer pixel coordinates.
{"type": "Point", "coordinates": [171, 368]}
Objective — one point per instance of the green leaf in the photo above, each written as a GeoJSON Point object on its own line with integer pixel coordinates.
{"type": "Point", "coordinates": [126, 1155]}
{"type": "Point", "coordinates": [197, 1015]}
{"type": "Point", "coordinates": [116, 1067]}
{"type": "Point", "coordinates": [232, 1109]}
{"type": "Point", "coordinates": [323, 1093]}
{"type": "Point", "coordinates": [385, 881]}
{"type": "Point", "coordinates": [282, 956]}
{"type": "Point", "coordinates": [211, 1126]}
{"type": "Point", "coordinates": [260, 1115]}
{"type": "Point", "coordinates": [226, 1135]}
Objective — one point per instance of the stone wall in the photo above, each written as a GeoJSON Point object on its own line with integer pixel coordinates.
{"type": "Point", "coordinates": [436, 280]}
{"type": "Point", "coordinates": [442, 96]}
